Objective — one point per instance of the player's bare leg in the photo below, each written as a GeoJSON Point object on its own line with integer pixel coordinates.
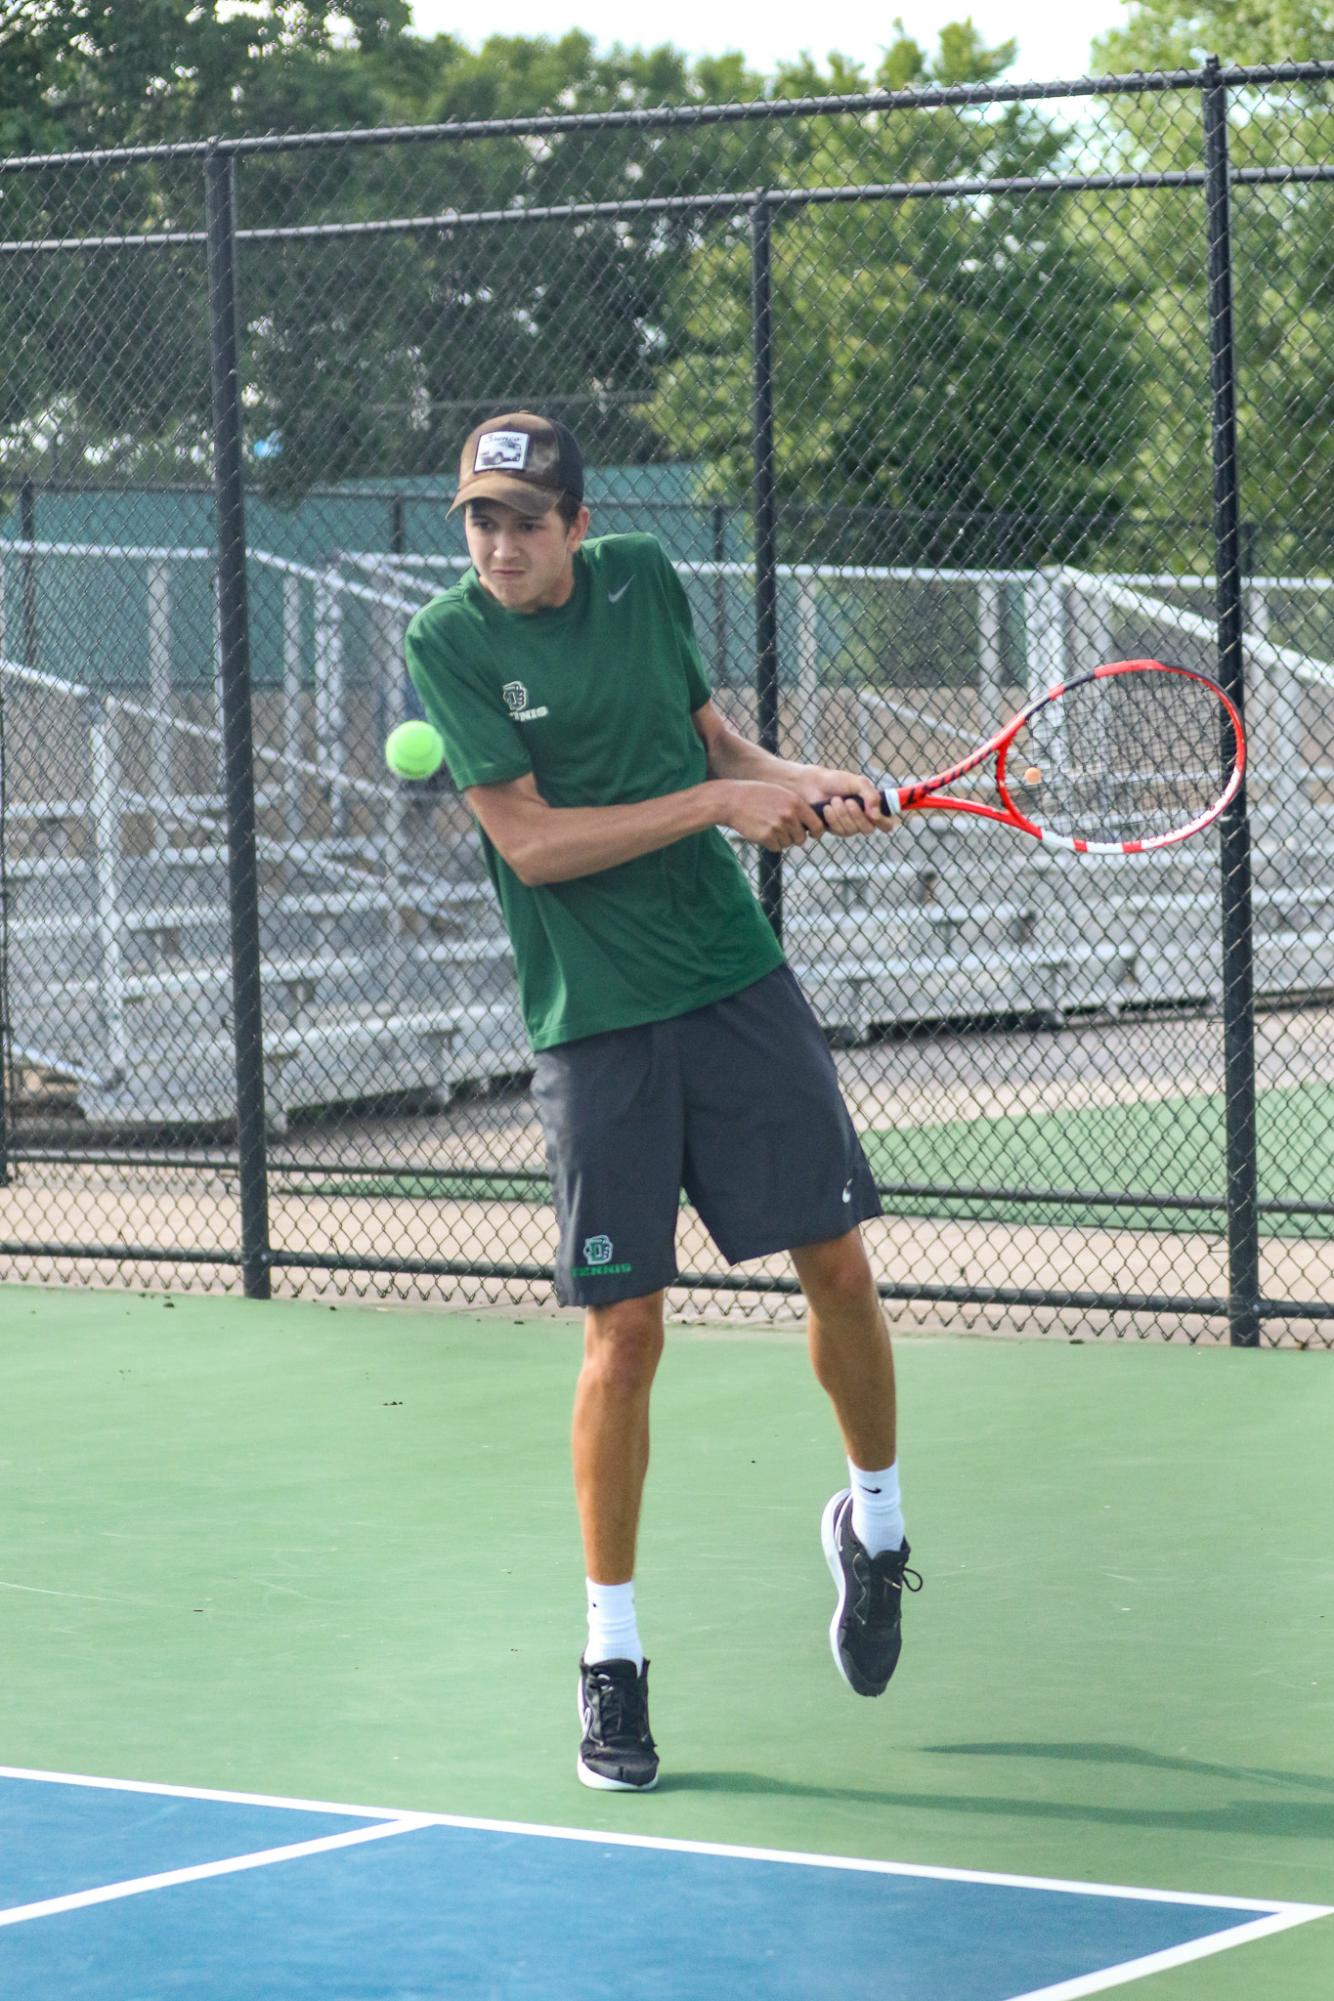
{"type": "Point", "coordinates": [850, 1348]}
{"type": "Point", "coordinates": [622, 1347]}
{"type": "Point", "coordinates": [862, 1527]}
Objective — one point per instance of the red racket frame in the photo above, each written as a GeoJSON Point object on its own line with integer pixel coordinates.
{"type": "Point", "coordinates": [918, 796]}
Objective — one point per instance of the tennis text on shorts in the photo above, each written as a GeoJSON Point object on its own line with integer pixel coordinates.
{"type": "Point", "coordinates": [597, 1255]}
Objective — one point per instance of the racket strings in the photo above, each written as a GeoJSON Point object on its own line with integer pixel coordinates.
{"type": "Point", "coordinates": [1125, 757]}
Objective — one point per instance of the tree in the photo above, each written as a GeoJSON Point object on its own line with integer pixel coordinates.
{"type": "Point", "coordinates": [361, 355]}
{"type": "Point", "coordinates": [1283, 270]}
{"type": "Point", "coordinates": [952, 363]}
{"type": "Point", "coordinates": [959, 361]}
{"type": "Point", "coordinates": [107, 351]}
{"type": "Point", "coordinates": [1163, 35]}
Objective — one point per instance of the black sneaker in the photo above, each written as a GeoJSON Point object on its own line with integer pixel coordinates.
{"type": "Point", "coordinates": [617, 1754]}
{"type": "Point", "coordinates": [865, 1633]}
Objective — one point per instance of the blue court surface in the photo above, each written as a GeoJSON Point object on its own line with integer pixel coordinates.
{"type": "Point", "coordinates": [120, 1892]}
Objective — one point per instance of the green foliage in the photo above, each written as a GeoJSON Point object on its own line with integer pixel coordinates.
{"type": "Point", "coordinates": [1164, 35]}
{"type": "Point", "coordinates": [1283, 274]}
{"type": "Point", "coordinates": [955, 364]}
{"type": "Point", "coordinates": [955, 377]}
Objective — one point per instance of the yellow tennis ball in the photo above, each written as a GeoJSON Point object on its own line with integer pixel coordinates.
{"type": "Point", "coordinates": [414, 750]}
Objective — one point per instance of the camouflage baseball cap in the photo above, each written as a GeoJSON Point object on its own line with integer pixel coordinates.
{"type": "Point", "coordinates": [524, 461]}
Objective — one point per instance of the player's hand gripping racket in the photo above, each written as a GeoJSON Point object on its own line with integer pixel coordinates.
{"type": "Point", "coordinates": [1133, 756]}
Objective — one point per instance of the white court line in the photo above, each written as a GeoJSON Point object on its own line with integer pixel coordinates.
{"type": "Point", "coordinates": [199, 1793]}
{"type": "Point", "coordinates": [1174, 1955]}
{"type": "Point", "coordinates": [1272, 1914]}
{"type": "Point", "coordinates": [1262, 1905]}
{"type": "Point", "coordinates": [135, 1886]}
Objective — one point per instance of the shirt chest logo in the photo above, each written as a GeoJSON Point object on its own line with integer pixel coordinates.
{"type": "Point", "coordinates": [516, 701]}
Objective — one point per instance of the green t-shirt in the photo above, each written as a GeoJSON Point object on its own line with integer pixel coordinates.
{"type": "Point", "coordinates": [595, 699]}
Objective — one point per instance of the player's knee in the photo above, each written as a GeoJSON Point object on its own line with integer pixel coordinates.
{"type": "Point", "coordinates": [623, 1343]}
{"type": "Point", "coordinates": [836, 1274]}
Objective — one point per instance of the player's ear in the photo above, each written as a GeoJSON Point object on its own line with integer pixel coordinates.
{"type": "Point", "coordinates": [579, 528]}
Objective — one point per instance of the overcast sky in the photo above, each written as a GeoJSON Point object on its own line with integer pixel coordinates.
{"type": "Point", "coordinates": [1054, 41]}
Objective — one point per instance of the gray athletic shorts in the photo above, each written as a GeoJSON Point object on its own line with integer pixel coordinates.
{"type": "Point", "coordinates": [738, 1103]}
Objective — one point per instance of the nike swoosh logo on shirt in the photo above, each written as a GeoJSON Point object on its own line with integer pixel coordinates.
{"type": "Point", "coordinates": [614, 597]}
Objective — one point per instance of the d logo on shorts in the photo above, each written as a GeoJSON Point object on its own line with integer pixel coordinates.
{"type": "Point", "coordinates": [597, 1250]}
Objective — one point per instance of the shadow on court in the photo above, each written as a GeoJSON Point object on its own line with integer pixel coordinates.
{"type": "Point", "coordinates": [1131, 1754]}
{"type": "Point", "coordinates": [1294, 1819]}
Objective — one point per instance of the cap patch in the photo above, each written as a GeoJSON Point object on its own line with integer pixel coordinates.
{"type": "Point", "coordinates": [502, 451]}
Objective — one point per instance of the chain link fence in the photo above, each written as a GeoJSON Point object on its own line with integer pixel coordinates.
{"type": "Point", "coordinates": [932, 399]}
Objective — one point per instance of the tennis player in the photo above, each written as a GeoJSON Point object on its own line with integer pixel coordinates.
{"type": "Point", "coordinates": [673, 1047]}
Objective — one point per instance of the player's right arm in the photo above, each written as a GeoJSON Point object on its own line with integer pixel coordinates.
{"type": "Point", "coordinates": [548, 844]}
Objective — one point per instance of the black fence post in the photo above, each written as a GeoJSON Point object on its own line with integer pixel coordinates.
{"type": "Point", "coordinates": [28, 533]}
{"type": "Point", "coordinates": [1243, 1216]}
{"type": "Point", "coordinates": [238, 734]}
{"type": "Point", "coordinates": [766, 531]}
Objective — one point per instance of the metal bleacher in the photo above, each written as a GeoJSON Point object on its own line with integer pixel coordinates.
{"type": "Point", "coordinates": [385, 966]}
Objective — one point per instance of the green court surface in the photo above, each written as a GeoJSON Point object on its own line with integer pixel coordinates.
{"type": "Point", "coordinates": [1168, 1146]}
{"type": "Point", "coordinates": [331, 1555]}
{"type": "Point", "coordinates": [1165, 1147]}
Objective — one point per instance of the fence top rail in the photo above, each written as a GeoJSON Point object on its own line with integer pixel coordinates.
{"type": "Point", "coordinates": [664, 117]}
{"type": "Point", "coordinates": [735, 202]}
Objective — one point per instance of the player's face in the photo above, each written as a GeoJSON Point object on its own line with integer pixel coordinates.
{"type": "Point", "coordinates": [525, 564]}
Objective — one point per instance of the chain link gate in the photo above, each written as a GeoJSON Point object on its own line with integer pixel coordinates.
{"type": "Point", "coordinates": [933, 400]}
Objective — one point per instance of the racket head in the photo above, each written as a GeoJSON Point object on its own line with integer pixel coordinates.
{"type": "Point", "coordinates": [1136, 755]}
{"type": "Point", "coordinates": [1133, 756]}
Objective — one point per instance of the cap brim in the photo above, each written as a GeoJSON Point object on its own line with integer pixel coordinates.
{"type": "Point", "coordinates": [519, 494]}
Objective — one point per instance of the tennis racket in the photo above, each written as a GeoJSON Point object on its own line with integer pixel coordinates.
{"type": "Point", "coordinates": [1133, 756]}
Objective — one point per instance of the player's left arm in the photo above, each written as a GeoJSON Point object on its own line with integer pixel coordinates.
{"type": "Point", "coordinates": [853, 803]}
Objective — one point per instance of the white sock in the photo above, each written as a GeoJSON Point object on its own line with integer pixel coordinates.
{"type": "Point", "coordinates": [877, 1515]}
{"type": "Point", "coordinates": [613, 1630]}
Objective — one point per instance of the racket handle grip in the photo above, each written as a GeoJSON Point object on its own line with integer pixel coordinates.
{"type": "Point", "coordinates": [889, 800]}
